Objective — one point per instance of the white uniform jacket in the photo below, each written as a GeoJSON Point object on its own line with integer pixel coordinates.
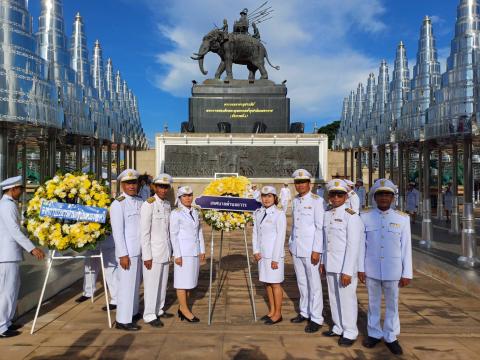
{"type": "Point", "coordinates": [388, 246]}
{"type": "Point", "coordinates": [186, 232]}
{"type": "Point", "coordinates": [307, 225]}
{"type": "Point", "coordinates": [413, 199]}
{"type": "Point", "coordinates": [345, 238]}
{"type": "Point", "coordinates": [155, 221]}
{"type": "Point", "coordinates": [125, 220]}
{"type": "Point", "coordinates": [353, 202]}
{"type": "Point", "coordinates": [12, 239]}
{"type": "Point", "coordinates": [268, 238]}
{"type": "Point", "coordinates": [362, 195]}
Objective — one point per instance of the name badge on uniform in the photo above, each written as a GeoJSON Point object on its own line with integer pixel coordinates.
{"type": "Point", "coordinates": [395, 225]}
{"type": "Point", "coordinates": [339, 220]}
{"type": "Point", "coordinates": [307, 207]}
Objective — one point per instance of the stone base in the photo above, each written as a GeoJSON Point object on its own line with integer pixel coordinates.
{"type": "Point", "coordinates": [241, 104]}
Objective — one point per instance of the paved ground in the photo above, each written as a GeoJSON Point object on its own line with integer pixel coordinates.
{"type": "Point", "coordinates": [438, 322]}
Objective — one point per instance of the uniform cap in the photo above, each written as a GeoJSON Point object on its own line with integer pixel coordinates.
{"type": "Point", "coordinates": [184, 190]}
{"type": "Point", "coordinates": [349, 182]}
{"type": "Point", "coordinates": [11, 183]}
{"type": "Point", "coordinates": [337, 185]}
{"type": "Point", "coordinates": [163, 179]}
{"type": "Point", "coordinates": [384, 185]}
{"type": "Point", "coordinates": [268, 190]}
{"type": "Point", "coordinates": [127, 175]}
{"type": "Point", "coordinates": [301, 174]}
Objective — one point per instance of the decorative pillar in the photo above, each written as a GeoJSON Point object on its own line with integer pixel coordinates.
{"type": "Point", "coordinates": [43, 162]}
{"type": "Point", "coordinates": [439, 186]}
{"type": "Point", "coordinates": [426, 219]}
{"type": "Point", "coordinates": [345, 163]}
{"type": "Point", "coordinates": [130, 157]}
{"type": "Point", "coordinates": [24, 175]}
{"type": "Point", "coordinates": [12, 158]}
{"type": "Point", "coordinates": [381, 161]}
{"type": "Point", "coordinates": [125, 157]}
{"type": "Point", "coordinates": [401, 178]}
{"type": "Point", "coordinates": [352, 162]}
{"type": "Point", "coordinates": [78, 153]}
{"type": "Point", "coordinates": [109, 164]}
{"type": "Point", "coordinates": [469, 242]}
{"type": "Point", "coordinates": [98, 159]}
{"type": "Point", "coordinates": [63, 157]}
{"type": "Point", "coordinates": [370, 172]}
{"type": "Point", "coordinates": [420, 178]}
{"type": "Point", "coordinates": [455, 219]}
{"type": "Point", "coordinates": [392, 162]}
{"type": "Point", "coordinates": [135, 158]}
{"type": "Point", "coordinates": [3, 153]}
{"type": "Point", "coordinates": [119, 170]}
{"type": "Point", "coordinates": [359, 165]}
{"type": "Point", "coordinates": [91, 159]}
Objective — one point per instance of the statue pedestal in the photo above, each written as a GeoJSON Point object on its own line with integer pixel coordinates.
{"type": "Point", "coordinates": [240, 106]}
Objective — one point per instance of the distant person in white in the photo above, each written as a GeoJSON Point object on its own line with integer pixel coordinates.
{"type": "Point", "coordinates": [256, 193]}
{"type": "Point", "coordinates": [156, 250]}
{"type": "Point", "coordinates": [448, 197]}
{"type": "Point", "coordinates": [353, 201]}
{"type": "Point", "coordinates": [144, 192]}
{"type": "Point", "coordinates": [268, 240]}
{"type": "Point", "coordinates": [412, 201]}
{"type": "Point", "coordinates": [12, 244]}
{"type": "Point", "coordinates": [285, 197]}
{"type": "Point", "coordinates": [361, 193]}
{"type": "Point", "coordinates": [385, 264]}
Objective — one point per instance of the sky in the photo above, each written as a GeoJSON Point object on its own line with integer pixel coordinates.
{"type": "Point", "coordinates": [324, 47]}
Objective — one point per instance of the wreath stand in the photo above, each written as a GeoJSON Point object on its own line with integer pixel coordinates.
{"type": "Point", "coordinates": [252, 299]}
{"type": "Point", "coordinates": [50, 263]}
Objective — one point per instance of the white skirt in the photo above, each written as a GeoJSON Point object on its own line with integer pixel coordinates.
{"type": "Point", "coordinates": [267, 275]}
{"type": "Point", "coordinates": [186, 276]}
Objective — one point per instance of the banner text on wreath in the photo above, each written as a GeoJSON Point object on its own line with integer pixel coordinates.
{"type": "Point", "coordinates": [227, 203]}
{"type": "Point", "coordinates": [240, 110]}
{"type": "Point", "coordinates": [73, 212]}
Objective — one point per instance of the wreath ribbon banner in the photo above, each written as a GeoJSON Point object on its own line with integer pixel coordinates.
{"type": "Point", "coordinates": [74, 212]}
{"type": "Point", "coordinates": [227, 203]}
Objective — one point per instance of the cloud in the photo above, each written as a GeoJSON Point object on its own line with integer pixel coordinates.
{"type": "Point", "coordinates": [309, 39]}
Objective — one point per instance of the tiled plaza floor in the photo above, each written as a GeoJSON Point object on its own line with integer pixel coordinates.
{"type": "Point", "coordinates": [438, 322]}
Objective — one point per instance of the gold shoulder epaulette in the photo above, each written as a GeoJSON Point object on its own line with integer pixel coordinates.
{"type": "Point", "coordinates": [315, 196]}
{"type": "Point", "coordinates": [350, 211]}
{"type": "Point", "coordinates": [401, 213]}
{"type": "Point", "coordinates": [151, 200]}
{"type": "Point", "coordinates": [120, 198]}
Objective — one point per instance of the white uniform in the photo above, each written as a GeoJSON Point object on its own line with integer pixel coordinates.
{"type": "Point", "coordinates": [353, 201]}
{"type": "Point", "coordinates": [186, 236]}
{"type": "Point", "coordinates": [448, 200]}
{"type": "Point", "coordinates": [362, 195]}
{"type": "Point", "coordinates": [268, 240]}
{"type": "Point", "coordinates": [12, 241]}
{"type": "Point", "coordinates": [386, 258]}
{"type": "Point", "coordinates": [307, 237]}
{"type": "Point", "coordinates": [125, 220]}
{"type": "Point", "coordinates": [92, 268]}
{"type": "Point", "coordinates": [412, 200]}
{"type": "Point", "coordinates": [285, 197]}
{"type": "Point", "coordinates": [344, 236]}
{"type": "Point", "coordinates": [156, 246]}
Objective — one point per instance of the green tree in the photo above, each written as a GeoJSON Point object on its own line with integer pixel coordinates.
{"type": "Point", "coordinates": [331, 131]}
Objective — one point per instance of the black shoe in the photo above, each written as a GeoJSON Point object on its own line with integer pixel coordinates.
{"type": "Point", "coordinates": [166, 315]}
{"type": "Point", "coordinates": [264, 318]}
{"type": "Point", "coordinates": [111, 306]}
{"type": "Point", "coordinates": [157, 323]}
{"type": "Point", "coordinates": [312, 327]}
{"type": "Point", "coordinates": [329, 333]}
{"type": "Point", "coordinates": [343, 341]}
{"type": "Point", "coordinates": [9, 333]}
{"type": "Point", "coordinates": [82, 299]}
{"type": "Point", "coordinates": [14, 327]}
{"type": "Point", "coordinates": [271, 322]}
{"type": "Point", "coordinates": [394, 347]}
{"type": "Point", "coordinates": [298, 319]}
{"type": "Point", "coordinates": [127, 327]}
{"type": "Point", "coordinates": [183, 317]}
{"type": "Point", "coordinates": [370, 342]}
{"type": "Point", "coordinates": [136, 317]}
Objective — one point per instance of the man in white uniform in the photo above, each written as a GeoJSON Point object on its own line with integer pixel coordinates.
{"type": "Point", "coordinates": [344, 238]}
{"type": "Point", "coordinates": [12, 244]}
{"type": "Point", "coordinates": [125, 220]}
{"type": "Point", "coordinates": [353, 201]}
{"type": "Point", "coordinates": [285, 197]}
{"type": "Point", "coordinates": [361, 192]}
{"type": "Point", "coordinates": [306, 247]}
{"type": "Point", "coordinates": [385, 265]}
{"type": "Point", "coordinates": [412, 201]}
{"type": "Point", "coordinates": [92, 268]}
{"type": "Point", "coordinates": [156, 250]}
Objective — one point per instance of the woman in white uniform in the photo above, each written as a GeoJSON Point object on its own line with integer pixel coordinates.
{"type": "Point", "coordinates": [188, 250]}
{"type": "Point", "coordinates": [269, 229]}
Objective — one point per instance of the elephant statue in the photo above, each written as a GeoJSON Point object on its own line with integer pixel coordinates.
{"type": "Point", "coordinates": [234, 48]}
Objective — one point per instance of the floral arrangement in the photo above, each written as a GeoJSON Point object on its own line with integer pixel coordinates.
{"type": "Point", "coordinates": [227, 220]}
{"type": "Point", "coordinates": [58, 234]}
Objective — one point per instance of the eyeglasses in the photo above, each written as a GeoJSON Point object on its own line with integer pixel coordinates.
{"type": "Point", "coordinates": [162, 186]}
{"type": "Point", "coordinates": [336, 194]}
